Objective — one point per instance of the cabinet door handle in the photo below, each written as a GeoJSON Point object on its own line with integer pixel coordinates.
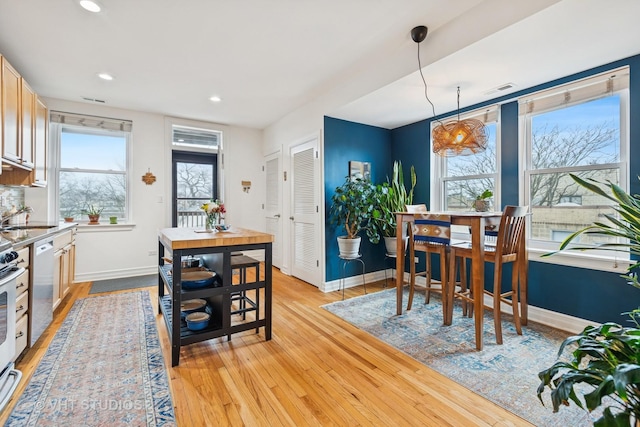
{"type": "Point", "coordinates": [20, 308]}
{"type": "Point", "coordinates": [276, 216]}
{"type": "Point", "coordinates": [21, 285]}
{"type": "Point", "coordinates": [291, 218]}
{"type": "Point", "coordinates": [19, 334]}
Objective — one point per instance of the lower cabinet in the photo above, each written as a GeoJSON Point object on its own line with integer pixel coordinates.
{"type": "Point", "coordinates": [64, 261]}
{"type": "Point", "coordinates": [22, 301]}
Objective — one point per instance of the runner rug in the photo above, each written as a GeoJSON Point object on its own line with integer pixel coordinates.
{"type": "Point", "coordinates": [506, 374]}
{"type": "Point", "coordinates": [104, 367]}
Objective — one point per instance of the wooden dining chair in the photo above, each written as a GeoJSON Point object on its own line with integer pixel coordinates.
{"type": "Point", "coordinates": [430, 233]}
{"type": "Point", "coordinates": [510, 237]}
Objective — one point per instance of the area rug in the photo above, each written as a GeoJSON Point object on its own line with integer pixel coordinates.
{"type": "Point", "coordinates": [136, 282]}
{"type": "Point", "coordinates": [104, 367]}
{"type": "Point", "coordinates": [505, 374]}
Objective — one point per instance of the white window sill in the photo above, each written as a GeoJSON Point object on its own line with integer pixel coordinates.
{"type": "Point", "coordinates": [104, 227]}
{"type": "Point", "coordinates": [582, 259]}
{"type": "Point", "coordinates": [569, 258]}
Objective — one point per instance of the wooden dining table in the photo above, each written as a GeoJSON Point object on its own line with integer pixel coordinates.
{"type": "Point", "coordinates": [477, 223]}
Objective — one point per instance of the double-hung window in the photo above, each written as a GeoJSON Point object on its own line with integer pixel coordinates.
{"type": "Point", "coordinates": [93, 164]}
{"type": "Point", "coordinates": [461, 179]}
{"type": "Point", "coordinates": [579, 128]}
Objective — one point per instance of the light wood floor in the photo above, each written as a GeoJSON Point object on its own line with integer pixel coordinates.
{"type": "Point", "coordinates": [316, 371]}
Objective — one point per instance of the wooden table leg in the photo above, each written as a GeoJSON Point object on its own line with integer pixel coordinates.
{"type": "Point", "coordinates": [523, 273]}
{"type": "Point", "coordinates": [399, 264]}
{"type": "Point", "coordinates": [477, 271]}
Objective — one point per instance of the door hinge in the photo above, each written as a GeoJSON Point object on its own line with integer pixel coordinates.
{"type": "Point", "coordinates": [317, 210]}
{"type": "Point", "coordinates": [316, 154]}
{"type": "Point", "coordinates": [317, 263]}
{"type": "Point", "coordinates": [263, 168]}
{"type": "Point", "coordinates": [285, 175]}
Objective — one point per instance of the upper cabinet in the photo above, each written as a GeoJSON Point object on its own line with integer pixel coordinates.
{"type": "Point", "coordinates": [41, 136]}
{"type": "Point", "coordinates": [11, 111]}
{"type": "Point", "coordinates": [28, 98]}
{"type": "Point", "coordinates": [24, 121]}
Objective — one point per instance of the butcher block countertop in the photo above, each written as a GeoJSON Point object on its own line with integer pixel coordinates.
{"type": "Point", "coordinates": [193, 238]}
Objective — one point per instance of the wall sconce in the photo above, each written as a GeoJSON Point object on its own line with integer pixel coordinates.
{"type": "Point", "coordinates": [148, 177]}
{"type": "Point", "coordinates": [246, 186]}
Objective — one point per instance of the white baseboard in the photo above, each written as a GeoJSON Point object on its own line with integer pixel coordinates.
{"type": "Point", "coordinates": [115, 274]}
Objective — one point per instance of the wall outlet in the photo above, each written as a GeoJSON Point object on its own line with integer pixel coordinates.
{"type": "Point", "coordinates": [152, 253]}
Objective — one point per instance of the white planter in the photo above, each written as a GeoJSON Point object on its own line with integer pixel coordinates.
{"type": "Point", "coordinates": [349, 248]}
{"type": "Point", "coordinates": [391, 246]}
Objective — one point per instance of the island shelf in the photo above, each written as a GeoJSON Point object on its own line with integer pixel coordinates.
{"type": "Point", "coordinates": [234, 307]}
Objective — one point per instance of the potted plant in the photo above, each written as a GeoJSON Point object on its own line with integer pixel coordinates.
{"type": "Point", "coordinates": [606, 359]}
{"type": "Point", "coordinates": [482, 202]}
{"type": "Point", "coordinates": [393, 197]}
{"type": "Point", "coordinates": [352, 207]}
{"type": "Point", "coordinates": [93, 213]}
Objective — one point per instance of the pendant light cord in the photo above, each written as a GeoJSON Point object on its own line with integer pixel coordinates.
{"type": "Point", "coordinates": [458, 103]}
{"type": "Point", "coordinates": [426, 93]}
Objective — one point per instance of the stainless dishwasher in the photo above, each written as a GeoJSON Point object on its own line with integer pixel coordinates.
{"type": "Point", "coordinates": [42, 304]}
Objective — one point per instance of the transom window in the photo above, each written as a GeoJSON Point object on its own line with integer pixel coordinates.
{"type": "Point", "coordinates": [578, 128]}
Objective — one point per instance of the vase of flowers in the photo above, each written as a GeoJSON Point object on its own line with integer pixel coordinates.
{"type": "Point", "coordinates": [213, 211]}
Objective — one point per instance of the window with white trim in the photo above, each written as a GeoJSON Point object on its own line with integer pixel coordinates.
{"type": "Point", "coordinates": [461, 179]}
{"type": "Point", "coordinates": [579, 128]}
{"type": "Point", "coordinates": [93, 164]}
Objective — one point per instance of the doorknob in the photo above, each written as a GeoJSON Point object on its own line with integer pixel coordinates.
{"type": "Point", "coordinates": [291, 218]}
{"type": "Point", "coordinates": [277, 215]}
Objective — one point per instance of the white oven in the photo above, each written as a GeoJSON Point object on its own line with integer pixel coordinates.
{"type": "Point", "coordinates": [9, 377]}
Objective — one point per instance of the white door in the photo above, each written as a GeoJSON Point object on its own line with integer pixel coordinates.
{"type": "Point", "coordinates": [273, 205]}
{"type": "Point", "coordinates": [305, 212]}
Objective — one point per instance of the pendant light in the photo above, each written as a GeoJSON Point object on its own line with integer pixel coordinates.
{"type": "Point", "coordinates": [457, 137]}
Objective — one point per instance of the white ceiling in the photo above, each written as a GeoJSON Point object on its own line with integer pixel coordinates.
{"type": "Point", "coordinates": [266, 58]}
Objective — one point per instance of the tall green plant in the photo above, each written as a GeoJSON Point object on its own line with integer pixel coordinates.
{"type": "Point", "coordinates": [606, 358]}
{"type": "Point", "coordinates": [354, 207]}
{"type": "Point", "coordinates": [393, 197]}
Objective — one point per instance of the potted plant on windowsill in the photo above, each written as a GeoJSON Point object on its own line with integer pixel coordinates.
{"type": "Point", "coordinates": [353, 207]}
{"type": "Point", "coordinates": [93, 213]}
{"type": "Point", "coordinates": [606, 358]}
{"type": "Point", "coordinates": [393, 197]}
{"type": "Point", "coordinates": [482, 202]}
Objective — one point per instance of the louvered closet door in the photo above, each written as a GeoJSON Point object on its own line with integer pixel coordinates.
{"type": "Point", "coordinates": [273, 205]}
{"type": "Point", "coordinates": [304, 219]}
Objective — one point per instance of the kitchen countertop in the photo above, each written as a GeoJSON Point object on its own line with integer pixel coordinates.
{"type": "Point", "coordinates": [30, 233]}
{"type": "Point", "coordinates": [190, 238]}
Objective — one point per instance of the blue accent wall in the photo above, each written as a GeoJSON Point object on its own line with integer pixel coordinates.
{"type": "Point", "coordinates": [590, 294]}
{"type": "Point", "coordinates": [345, 141]}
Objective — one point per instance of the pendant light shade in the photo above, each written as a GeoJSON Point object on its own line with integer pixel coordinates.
{"type": "Point", "coordinates": [459, 137]}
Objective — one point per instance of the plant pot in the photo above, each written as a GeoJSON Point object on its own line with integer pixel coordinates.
{"type": "Point", "coordinates": [391, 245]}
{"type": "Point", "coordinates": [68, 219]}
{"type": "Point", "coordinates": [481, 205]}
{"type": "Point", "coordinates": [349, 248]}
{"type": "Point", "coordinates": [93, 219]}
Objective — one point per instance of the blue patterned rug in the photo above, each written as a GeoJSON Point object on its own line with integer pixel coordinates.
{"type": "Point", "coordinates": [506, 374]}
{"type": "Point", "coordinates": [104, 367]}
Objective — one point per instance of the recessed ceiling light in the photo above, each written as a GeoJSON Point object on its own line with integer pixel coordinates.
{"type": "Point", "coordinates": [105, 76]}
{"type": "Point", "coordinates": [215, 99]}
{"type": "Point", "coordinates": [90, 5]}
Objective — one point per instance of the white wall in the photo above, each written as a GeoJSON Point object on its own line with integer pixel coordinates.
{"type": "Point", "coordinates": [119, 252]}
